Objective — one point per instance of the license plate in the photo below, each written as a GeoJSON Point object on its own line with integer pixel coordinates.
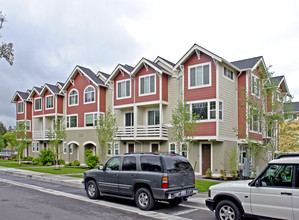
{"type": "Point", "coordinates": [183, 192]}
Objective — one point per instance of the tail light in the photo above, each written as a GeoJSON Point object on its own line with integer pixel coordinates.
{"type": "Point", "coordinates": [165, 182]}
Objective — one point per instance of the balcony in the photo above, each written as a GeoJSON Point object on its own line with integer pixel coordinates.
{"type": "Point", "coordinates": [41, 135]}
{"type": "Point", "coordinates": [143, 132]}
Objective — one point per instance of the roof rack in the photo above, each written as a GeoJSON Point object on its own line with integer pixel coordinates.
{"type": "Point", "coordinates": [154, 153]}
{"type": "Point", "coordinates": [287, 155]}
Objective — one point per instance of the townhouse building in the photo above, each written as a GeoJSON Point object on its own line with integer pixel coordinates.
{"type": "Point", "coordinates": [143, 98]}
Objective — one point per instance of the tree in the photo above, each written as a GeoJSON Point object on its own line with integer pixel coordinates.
{"type": "Point", "coordinates": [22, 138]}
{"type": "Point", "coordinates": [56, 136]}
{"type": "Point", "coordinates": [6, 50]}
{"type": "Point", "coordinates": [184, 124]}
{"type": "Point", "coordinates": [11, 139]}
{"type": "Point", "coordinates": [2, 132]}
{"type": "Point", "coordinates": [107, 129]}
{"type": "Point", "coordinates": [2, 142]}
{"type": "Point", "coordinates": [3, 129]}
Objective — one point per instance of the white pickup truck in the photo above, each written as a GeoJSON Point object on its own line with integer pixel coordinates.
{"type": "Point", "coordinates": [273, 194]}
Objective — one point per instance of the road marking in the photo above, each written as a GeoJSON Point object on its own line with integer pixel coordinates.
{"type": "Point", "coordinates": [194, 207]}
{"type": "Point", "coordinates": [151, 214]}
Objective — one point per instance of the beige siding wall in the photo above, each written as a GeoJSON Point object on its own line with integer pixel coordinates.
{"type": "Point", "coordinates": [109, 98]}
{"type": "Point", "coordinates": [228, 95]}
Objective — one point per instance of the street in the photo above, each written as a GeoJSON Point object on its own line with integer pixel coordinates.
{"type": "Point", "coordinates": [26, 198]}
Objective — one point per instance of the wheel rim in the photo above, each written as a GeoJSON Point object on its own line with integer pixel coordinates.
{"type": "Point", "coordinates": [227, 213]}
{"type": "Point", "coordinates": [143, 199]}
{"type": "Point", "coordinates": [91, 190]}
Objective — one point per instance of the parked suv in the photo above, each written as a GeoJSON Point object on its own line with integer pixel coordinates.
{"type": "Point", "coordinates": [273, 194]}
{"type": "Point", "coordinates": [143, 177]}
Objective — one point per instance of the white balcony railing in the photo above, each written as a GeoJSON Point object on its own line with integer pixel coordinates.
{"type": "Point", "coordinates": [141, 131]}
{"type": "Point", "coordinates": [41, 135]}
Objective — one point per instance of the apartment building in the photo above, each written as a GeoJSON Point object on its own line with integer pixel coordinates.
{"type": "Point", "coordinates": [143, 98]}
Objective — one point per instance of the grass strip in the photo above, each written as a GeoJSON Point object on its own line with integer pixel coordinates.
{"type": "Point", "coordinates": [203, 185]}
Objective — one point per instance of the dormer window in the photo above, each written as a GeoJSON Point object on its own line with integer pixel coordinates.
{"type": "Point", "coordinates": [89, 96]}
{"type": "Point", "coordinates": [123, 89]}
{"type": "Point", "coordinates": [73, 97]}
{"type": "Point", "coordinates": [147, 85]}
{"type": "Point", "coordinates": [20, 107]}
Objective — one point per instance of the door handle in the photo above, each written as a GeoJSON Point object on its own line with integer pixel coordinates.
{"type": "Point", "coordinates": [286, 193]}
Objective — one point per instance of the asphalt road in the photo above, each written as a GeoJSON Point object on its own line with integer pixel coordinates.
{"type": "Point", "coordinates": [26, 198]}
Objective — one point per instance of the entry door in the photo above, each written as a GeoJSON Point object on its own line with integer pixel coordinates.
{"type": "Point", "coordinates": [206, 157]}
{"type": "Point", "coordinates": [131, 148]}
{"type": "Point", "coordinates": [155, 147]}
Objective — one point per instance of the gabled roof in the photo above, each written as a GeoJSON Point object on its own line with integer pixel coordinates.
{"type": "Point", "coordinates": [22, 95]}
{"type": "Point", "coordinates": [125, 68]}
{"type": "Point", "coordinates": [167, 62]}
{"type": "Point", "coordinates": [196, 48]}
{"type": "Point", "coordinates": [52, 88]}
{"type": "Point", "coordinates": [87, 72]}
{"type": "Point", "coordinates": [35, 89]}
{"type": "Point", "coordinates": [155, 66]}
{"type": "Point", "coordinates": [246, 64]}
{"type": "Point", "coordinates": [103, 76]}
{"type": "Point", "coordinates": [291, 107]}
{"type": "Point", "coordinates": [61, 84]}
{"type": "Point", "coordinates": [280, 81]}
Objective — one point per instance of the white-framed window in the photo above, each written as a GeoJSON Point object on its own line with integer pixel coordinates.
{"type": "Point", "coordinates": [71, 148]}
{"type": "Point", "coordinates": [172, 148]}
{"type": "Point", "coordinates": [73, 97]}
{"type": "Point", "coordinates": [220, 110]}
{"type": "Point", "coordinates": [20, 107]}
{"type": "Point", "coordinates": [199, 75]}
{"type": "Point", "coordinates": [228, 73]}
{"type": "Point", "coordinates": [109, 150]}
{"type": "Point", "coordinates": [28, 125]}
{"type": "Point", "coordinates": [255, 121]}
{"type": "Point", "coordinates": [129, 119]}
{"type": "Point", "coordinates": [123, 89]}
{"type": "Point", "coordinates": [89, 95]}
{"type": "Point", "coordinates": [38, 104]}
{"type": "Point", "coordinates": [255, 85]}
{"type": "Point", "coordinates": [50, 102]}
{"type": "Point", "coordinates": [184, 150]}
{"type": "Point", "coordinates": [200, 110]}
{"type": "Point", "coordinates": [147, 84]}
{"type": "Point", "coordinates": [72, 121]}
{"type": "Point", "coordinates": [153, 117]}
{"type": "Point", "coordinates": [90, 119]}
{"type": "Point", "coordinates": [25, 123]}
{"type": "Point", "coordinates": [64, 147]}
{"type": "Point", "coordinates": [37, 147]}
{"type": "Point", "coordinates": [290, 116]}
{"type": "Point", "coordinates": [33, 147]}
{"type": "Point", "coordinates": [213, 110]}
{"type": "Point", "coordinates": [116, 148]}
{"type": "Point", "coordinates": [113, 151]}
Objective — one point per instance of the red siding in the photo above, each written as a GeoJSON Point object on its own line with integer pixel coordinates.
{"type": "Point", "coordinates": [29, 110]}
{"type": "Point", "coordinates": [102, 99]}
{"type": "Point", "coordinates": [49, 111]}
{"type": "Point", "coordinates": [205, 129]}
{"type": "Point", "coordinates": [80, 83]}
{"type": "Point", "coordinates": [200, 93]}
{"type": "Point", "coordinates": [242, 106]}
{"type": "Point", "coordinates": [60, 104]}
{"type": "Point", "coordinates": [126, 100]}
{"type": "Point", "coordinates": [165, 87]}
{"type": "Point", "coordinates": [20, 116]}
{"type": "Point", "coordinates": [255, 136]}
{"type": "Point", "coordinates": [146, 98]}
{"type": "Point", "coordinates": [42, 105]}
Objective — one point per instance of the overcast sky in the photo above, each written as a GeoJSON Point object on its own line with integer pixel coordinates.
{"type": "Point", "coordinates": [51, 37]}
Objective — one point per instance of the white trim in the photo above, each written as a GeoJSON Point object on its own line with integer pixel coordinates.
{"type": "Point", "coordinates": [33, 147]}
{"type": "Point", "coordinates": [73, 142]}
{"type": "Point", "coordinates": [94, 95]}
{"type": "Point", "coordinates": [88, 113]}
{"type": "Point", "coordinates": [47, 103]}
{"type": "Point", "coordinates": [22, 107]}
{"type": "Point", "coordinates": [201, 156]}
{"type": "Point", "coordinates": [125, 97]}
{"type": "Point", "coordinates": [210, 76]}
{"type": "Point", "coordinates": [41, 104]}
{"type": "Point", "coordinates": [155, 142]}
{"type": "Point", "coordinates": [208, 109]}
{"type": "Point", "coordinates": [155, 86]}
{"type": "Point", "coordinates": [155, 109]}
{"type": "Point", "coordinates": [68, 98]}
{"type": "Point", "coordinates": [115, 72]}
{"type": "Point", "coordinates": [25, 120]}
{"type": "Point", "coordinates": [70, 121]}
{"type": "Point", "coordinates": [123, 106]}
{"type": "Point", "coordinates": [251, 84]}
{"type": "Point", "coordinates": [160, 59]}
{"type": "Point", "coordinates": [64, 146]}
{"type": "Point", "coordinates": [128, 146]}
{"type": "Point", "coordinates": [259, 122]}
{"type": "Point", "coordinates": [226, 77]}
{"type": "Point", "coordinates": [128, 112]}
{"type": "Point", "coordinates": [51, 114]}
{"type": "Point", "coordinates": [175, 148]}
{"type": "Point", "coordinates": [89, 142]}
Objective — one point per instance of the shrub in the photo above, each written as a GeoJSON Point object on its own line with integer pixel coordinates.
{"type": "Point", "coordinates": [223, 175]}
{"type": "Point", "coordinates": [35, 161]}
{"type": "Point", "coordinates": [234, 173]}
{"type": "Point", "coordinates": [70, 163]}
{"type": "Point", "coordinates": [46, 157]}
{"type": "Point", "coordinates": [209, 173]}
{"type": "Point", "coordinates": [61, 161]}
{"type": "Point", "coordinates": [76, 163]}
{"type": "Point", "coordinates": [49, 164]}
{"type": "Point", "coordinates": [92, 160]}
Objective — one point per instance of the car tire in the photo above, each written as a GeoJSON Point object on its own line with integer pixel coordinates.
{"type": "Point", "coordinates": [144, 199]}
{"type": "Point", "coordinates": [175, 202]}
{"type": "Point", "coordinates": [92, 190]}
{"type": "Point", "coordinates": [227, 209]}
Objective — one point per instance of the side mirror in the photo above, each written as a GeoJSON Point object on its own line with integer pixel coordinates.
{"type": "Point", "coordinates": [257, 183]}
{"type": "Point", "coordinates": [101, 167]}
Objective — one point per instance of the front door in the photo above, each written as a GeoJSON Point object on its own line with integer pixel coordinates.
{"type": "Point", "coordinates": [155, 147]}
{"type": "Point", "coordinates": [206, 157]}
{"type": "Point", "coordinates": [131, 148]}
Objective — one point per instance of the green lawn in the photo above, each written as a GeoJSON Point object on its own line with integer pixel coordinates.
{"type": "Point", "coordinates": [77, 176]}
{"type": "Point", "coordinates": [15, 164]}
{"type": "Point", "coordinates": [203, 185]}
{"type": "Point", "coordinates": [3, 160]}
{"type": "Point", "coordinates": [52, 170]}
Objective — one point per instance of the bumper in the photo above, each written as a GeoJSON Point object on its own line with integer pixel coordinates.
{"type": "Point", "coordinates": [167, 194]}
{"type": "Point", "coordinates": [83, 184]}
{"type": "Point", "coordinates": [210, 203]}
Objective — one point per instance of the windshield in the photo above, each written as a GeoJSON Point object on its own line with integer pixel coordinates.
{"type": "Point", "coordinates": [177, 164]}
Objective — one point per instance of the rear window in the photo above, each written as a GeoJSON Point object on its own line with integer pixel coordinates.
{"type": "Point", "coordinates": [177, 164]}
{"type": "Point", "coordinates": [150, 163]}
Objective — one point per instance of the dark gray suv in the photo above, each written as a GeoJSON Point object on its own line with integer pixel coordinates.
{"type": "Point", "coordinates": [143, 177]}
